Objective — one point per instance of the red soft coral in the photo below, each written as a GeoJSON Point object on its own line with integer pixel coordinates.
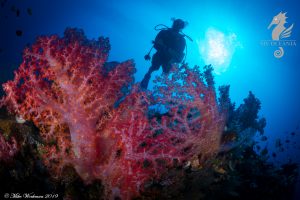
{"type": "Point", "coordinates": [190, 129]}
{"type": "Point", "coordinates": [64, 87]}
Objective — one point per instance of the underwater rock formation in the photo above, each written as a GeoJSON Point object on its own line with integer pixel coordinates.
{"type": "Point", "coordinates": [87, 123]}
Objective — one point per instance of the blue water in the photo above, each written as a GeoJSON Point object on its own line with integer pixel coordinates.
{"type": "Point", "coordinates": [129, 25]}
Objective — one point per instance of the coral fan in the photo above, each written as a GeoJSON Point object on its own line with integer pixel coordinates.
{"type": "Point", "coordinates": [86, 122]}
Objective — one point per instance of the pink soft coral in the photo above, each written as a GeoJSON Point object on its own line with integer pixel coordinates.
{"type": "Point", "coordinates": [189, 130]}
{"type": "Point", "coordinates": [64, 87]}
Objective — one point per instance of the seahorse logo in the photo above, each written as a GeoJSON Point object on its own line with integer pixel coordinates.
{"type": "Point", "coordinates": [280, 31]}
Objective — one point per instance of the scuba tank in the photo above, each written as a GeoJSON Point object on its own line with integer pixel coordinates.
{"type": "Point", "coordinates": [161, 27]}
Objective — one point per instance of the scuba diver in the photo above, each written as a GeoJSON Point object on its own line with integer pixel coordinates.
{"type": "Point", "coordinates": [170, 44]}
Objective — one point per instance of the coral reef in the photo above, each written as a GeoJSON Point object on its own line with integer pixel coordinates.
{"type": "Point", "coordinates": [86, 122]}
{"type": "Point", "coordinates": [90, 133]}
{"type": "Point", "coordinates": [240, 173]}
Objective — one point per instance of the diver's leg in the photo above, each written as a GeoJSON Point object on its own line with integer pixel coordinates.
{"type": "Point", "coordinates": [166, 66]}
{"type": "Point", "coordinates": [147, 77]}
{"type": "Point", "coordinates": [155, 66]}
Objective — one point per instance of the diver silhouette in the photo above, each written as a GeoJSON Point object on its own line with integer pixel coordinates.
{"type": "Point", "coordinates": [169, 44]}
